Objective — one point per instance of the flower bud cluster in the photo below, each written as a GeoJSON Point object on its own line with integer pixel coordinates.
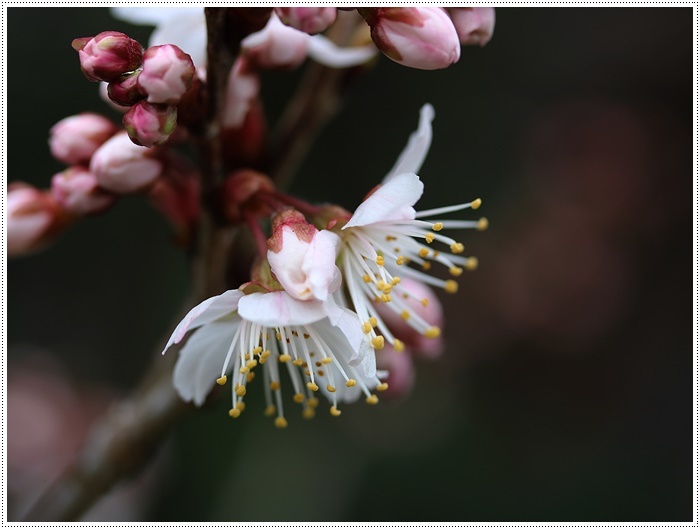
{"type": "Point", "coordinates": [150, 82]}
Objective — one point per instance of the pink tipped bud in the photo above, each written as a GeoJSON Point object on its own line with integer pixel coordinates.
{"type": "Point", "coordinates": [239, 195]}
{"type": "Point", "coordinates": [150, 125]}
{"type": "Point", "coordinates": [276, 46]}
{"type": "Point", "coordinates": [419, 37]}
{"type": "Point", "coordinates": [77, 191]}
{"type": "Point", "coordinates": [32, 217]}
{"type": "Point", "coordinates": [122, 167]}
{"type": "Point", "coordinates": [167, 74]}
{"type": "Point", "coordinates": [402, 373]}
{"type": "Point", "coordinates": [124, 91]}
{"type": "Point", "coordinates": [108, 55]}
{"type": "Point", "coordinates": [310, 20]}
{"type": "Point", "coordinates": [73, 140]}
{"type": "Point", "coordinates": [242, 90]}
{"type": "Point", "coordinates": [474, 25]}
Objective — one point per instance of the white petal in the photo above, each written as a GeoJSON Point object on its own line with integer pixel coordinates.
{"type": "Point", "coordinates": [393, 200]}
{"type": "Point", "coordinates": [319, 264]}
{"type": "Point", "coordinates": [413, 155]}
{"type": "Point", "coordinates": [275, 309]}
{"type": "Point", "coordinates": [202, 358]}
{"type": "Point", "coordinates": [152, 16]}
{"type": "Point", "coordinates": [349, 325]}
{"type": "Point", "coordinates": [287, 264]}
{"type": "Point", "coordinates": [207, 311]}
{"type": "Point", "coordinates": [325, 52]}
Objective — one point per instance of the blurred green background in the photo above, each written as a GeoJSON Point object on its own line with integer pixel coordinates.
{"type": "Point", "coordinates": [565, 390]}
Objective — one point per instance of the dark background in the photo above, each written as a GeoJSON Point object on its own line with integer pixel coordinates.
{"type": "Point", "coordinates": [565, 391]}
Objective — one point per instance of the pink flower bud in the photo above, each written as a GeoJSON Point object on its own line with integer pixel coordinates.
{"type": "Point", "coordinates": [122, 167]}
{"type": "Point", "coordinates": [73, 140]}
{"type": "Point", "coordinates": [32, 216]}
{"type": "Point", "coordinates": [425, 304]}
{"type": "Point", "coordinates": [150, 125]}
{"type": "Point", "coordinates": [167, 74]}
{"type": "Point", "coordinates": [242, 89]}
{"type": "Point", "coordinates": [176, 195]}
{"type": "Point", "coordinates": [239, 194]}
{"type": "Point", "coordinates": [310, 20]}
{"type": "Point", "coordinates": [106, 56]}
{"type": "Point", "coordinates": [276, 46]}
{"type": "Point", "coordinates": [77, 191]}
{"type": "Point", "coordinates": [124, 91]}
{"type": "Point", "coordinates": [474, 25]}
{"type": "Point", "coordinates": [419, 37]}
{"type": "Point", "coordinates": [402, 374]}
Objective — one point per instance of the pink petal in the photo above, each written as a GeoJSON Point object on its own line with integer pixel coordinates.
{"type": "Point", "coordinates": [319, 264]}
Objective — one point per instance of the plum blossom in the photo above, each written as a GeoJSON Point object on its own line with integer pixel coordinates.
{"type": "Point", "coordinates": [237, 332]}
{"type": "Point", "coordinates": [386, 233]}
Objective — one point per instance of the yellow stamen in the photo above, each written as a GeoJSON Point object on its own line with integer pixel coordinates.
{"type": "Point", "coordinates": [373, 321]}
{"type": "Point", "coordinates": [380, 260]}
{"type": "Point", "coordinates": [312, 386]}
{"type": "Point", "coordinates": [372, 399]}
{"type": "Point", "coordinates": [335, 412]}
{"type": "Point", "coordinates": [423, 252]}
{"type": "Point", "coordinates": [378, 342]}
{"type": "Point", "coordinates": [222, 380]}
{"type": "Point", "coordinates": [457, 247]}
{"type": "Point", "coordinates": [366, 327]}
{"type": "Point", "coordinates": [312, 402]}
{"type": "Point", "coordinates": [456, 271]}
{"type": "Point", "coordinates": [472, 263]}
{"type": "Point", "coordinates": [424, 302]}
{"type": "Point", "coordinates": [270, 411]}
{"type": "Point", "coordinates": [382, 387]}
{"type": "Point", "coordinates": [240, 405]}
{"type": "Point", "coordinates": [476, 204]}
{"type": "Point", "coordinates": [308, 413]}
{"type": "Point", "coordinates": [250, 376]}
{"type": "Point", "coordinates": [330, 388]}
{"type": "Point", "coordinates": [244, 370]}
{"type": "Point", "coordinates": [274, 385]}
{"type": "Point", "coordinates": [438, 226]}
{"type": "Point", "coordinates": [482, 224]}
{"type": "Point", "coordinates": [432, 332]}
{"type": "Point", "coordinates": [451, 286]}
{"type": "Point", "coordinates": [299, 398]}
{"type": "Point", "coordinates": [234, 413]}
{"type": "Point", "coordinates": [257, 350]}
{"type": "Point", "coordinates": [240, 391]}
{"type": "Point", "coordinates": [285, 358]}
{"type": "Point", "coordinates": [426, 266]}
{"type": "Point", "coordinates": [399, 346]}
{"type": "Point", "coordinates": [281, 422]}
{"type": "Point", "coordinates": [327, 360]}
{"type": "Point", "coordinates": [429, 237]}
{"type": "Point", "coordinates": [350, 383]}
{"type": "Point", "coordinates": [396, 281]}
{"type": "Point", "coordinates": [298, 362]}
{"type": "Point", "coordinates": [366, 278]}
{"type": "Point", "coordinates": [400, 260]}
{"type": "Point", "coordinates": [405, 315]}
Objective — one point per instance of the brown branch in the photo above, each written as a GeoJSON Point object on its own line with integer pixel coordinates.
{"type": "Point", "coordinates": [317, 99]}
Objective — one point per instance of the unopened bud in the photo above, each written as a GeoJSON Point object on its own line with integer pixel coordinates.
{"type": "Point", "coordinates": [122, 167]}
{"type": "Point", "coordinates": [239, 195]}
{"type": "Point", "coordinates": [32, 217]}
{"type": "Point", "coordinates": [150, 125]}
{"type": "Point", "coordinates": [124, 91]}
{"type": "Point", "coordinates": [419, 37]}
{"type": "Point", "coordinates": [242, 89]}
{"type": "Point", "coordinates": [77, 191]}
{"type": "Point", "coordinates": [474, 25]}
{"type": "Point", "coordinates": [167, 74]}
{"type": "Point", "coordinates": [73, 140]}
{"type": "Point", "coordinates": [309, 19]}
{"type": "Point", "coordinates": [108, 55]}
{"type": "Point", "coordinates": [276, 46]}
